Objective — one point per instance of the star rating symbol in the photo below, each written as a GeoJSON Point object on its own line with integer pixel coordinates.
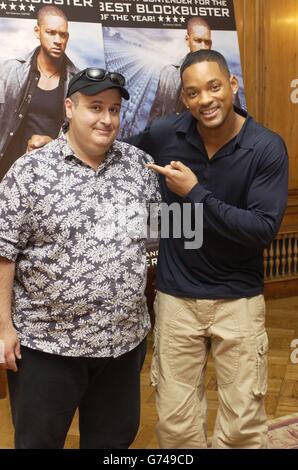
{"type": "Point", "coordinates": [12, 6]}
{"type": "Point", "coordinates": [168, 19]}
{"type": "Point", "coordinates": [182, 19]}
{"type": "Point", "coordinates": [160, 18]}
{"type": "Point", "coordinates": [22, 7]}
{"type": "Point", "coordinates": [3, 6]}
{"type": "Point", "coordinates": [175, 19]}
{"type": "Point", "coordinates": [31, 7]}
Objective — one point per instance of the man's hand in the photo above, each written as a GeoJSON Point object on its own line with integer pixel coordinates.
{"type": "Point", "coordinates": [179, 178]}
{"type": "Point", "coordinates": [36, 141]}
{"type": "Point", "coordinates": [12, 350]}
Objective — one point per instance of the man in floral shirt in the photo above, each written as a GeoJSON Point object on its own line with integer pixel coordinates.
{"type": "Point", "coordinates": [73, 316]}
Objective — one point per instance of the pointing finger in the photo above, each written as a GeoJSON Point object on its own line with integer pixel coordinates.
{"type": "Point", "coordinates": [158, 169]}
{"type": "Point", "coordinates": [177, 165]}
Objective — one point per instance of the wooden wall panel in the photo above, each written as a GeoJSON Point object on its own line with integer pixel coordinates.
{"type": "Point", "coordinates": [280, 66]}
{"type": "Point", "coordinates": [268, 39]}
{"type": "Point", "coordinates": [247, 21]}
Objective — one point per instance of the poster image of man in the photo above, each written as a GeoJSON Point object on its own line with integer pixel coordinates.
{"type": "Point", "coordinates": [34, 75]}
{"type": "Point", "coordinates": [141, 54]}
{"type": "Point", "coordinates": [168, 94]}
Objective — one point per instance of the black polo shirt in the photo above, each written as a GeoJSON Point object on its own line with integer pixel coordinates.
{"type": "Point", "coordinates": [244, 189]}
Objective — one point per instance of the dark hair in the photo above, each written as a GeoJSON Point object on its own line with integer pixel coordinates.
{"type": "Point", "coordinates": [49, 10]}
{"type": "Point", "coordinates": [194, 21]}
{"type": "Point", "coordinates": [205, 55]}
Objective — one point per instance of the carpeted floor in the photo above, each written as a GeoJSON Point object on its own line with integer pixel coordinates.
{"type": "Point", "coordinates": [283, 432]}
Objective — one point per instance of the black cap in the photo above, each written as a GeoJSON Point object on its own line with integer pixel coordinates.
{"type": "Point", "coordinates": [80, 82]}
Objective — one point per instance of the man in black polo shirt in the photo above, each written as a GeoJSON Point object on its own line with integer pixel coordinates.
{"type": "Point", "coordinates": [32, 89]}
{"type": "Point", "coordinates": [213, 296]}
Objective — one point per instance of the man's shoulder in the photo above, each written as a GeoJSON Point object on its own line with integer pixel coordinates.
{"type": "Point", "coordinates": [132, 153]}
{"type": "Point", "coordinates": [169, 71]}
{"type": "Point", "coordinates": [71, 67]}
{"type": "Point", "coordinates": [153, 138]}
{"type": "Point", "coordinates": [17, 61]}
{"type": "Point", "coordinates": [267, 146]}
{"type": "Point", "coordinates": [264, 137]}
{"type": "Point", "coordinates": [169, 68]}
{"type": "Point", "coordinates": [169, 123]}
{"type": "Point", "coordinates": [9, 66]}
{"type": "Point", "coordinates": [49, 150]}
{"type": "Point", "coordinates": [45, 154]}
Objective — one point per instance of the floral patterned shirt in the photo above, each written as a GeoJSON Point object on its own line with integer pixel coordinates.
{"type": "Point", "coordinates": [80, 258]}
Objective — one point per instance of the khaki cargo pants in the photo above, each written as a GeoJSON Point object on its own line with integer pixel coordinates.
{"type": "Point", "coordinates": [184, 331]}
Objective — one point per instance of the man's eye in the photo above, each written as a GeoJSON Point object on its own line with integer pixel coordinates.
{"type": "Point", "coordinates": [115, 111]}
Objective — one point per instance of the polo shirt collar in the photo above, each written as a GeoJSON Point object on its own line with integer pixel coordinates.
{"type": "Point", "coordinates": [245, 138]}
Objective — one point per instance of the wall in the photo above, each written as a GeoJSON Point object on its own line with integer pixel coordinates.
{"type": "Point", "coordinates": [268, 33]}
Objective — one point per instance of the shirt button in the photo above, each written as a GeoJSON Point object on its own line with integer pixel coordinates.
{"type": "Point", "coordinates": [29, 97]}
{"type": "Point", "coordinates": [11, 133]}
{"type": "Point", "coordinates": [20, 115]}
{"type": "Point", "coordinates": [1, 154]}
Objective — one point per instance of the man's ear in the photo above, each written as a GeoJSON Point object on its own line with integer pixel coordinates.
{"type": "Point", "coordinates": [68, 108]}
{"type": "Point", "coordinates": [37, 31]}
{"type": "Point", "coordinates": [184, 98]}
{"type": "Point", "coordinates": [234, 84]}
{"type": "Point", "coordinates": [187, 41]}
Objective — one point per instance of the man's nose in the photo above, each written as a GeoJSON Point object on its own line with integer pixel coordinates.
{"type": "Point", "coordinates": [106, 117]}
{"type": "Point", "coordinates": [57, 39]}
{"type": "Point", "coordinates": [205, 97]}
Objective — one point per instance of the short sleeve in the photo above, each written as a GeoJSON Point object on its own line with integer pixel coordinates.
{"type": "Point", "coordinates": [15, 217]}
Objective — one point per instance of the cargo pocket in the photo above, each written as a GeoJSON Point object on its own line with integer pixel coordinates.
{"type": "Point", "coordinates": [260, 386]}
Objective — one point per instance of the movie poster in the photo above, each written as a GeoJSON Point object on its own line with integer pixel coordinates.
{"type": "Point", "coordinates": [145, 40]}
{"type": "Point", "coordinates": [31, 99]}
{"type": "Point", "coordinates": [138, 38]}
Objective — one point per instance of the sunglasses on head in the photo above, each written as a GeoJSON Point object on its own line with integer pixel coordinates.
{"type": "Point", "coordinates": [98, 75]}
